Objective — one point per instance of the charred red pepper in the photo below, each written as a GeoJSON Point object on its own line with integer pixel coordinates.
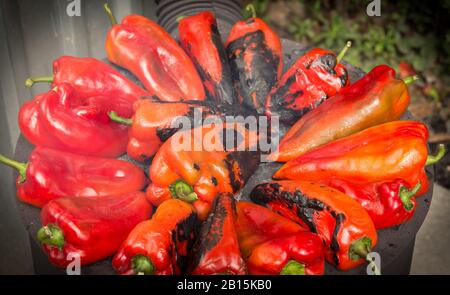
{"type": "Point", "coordinates": [312, 79]}
{"type": "Point", "coordinates": [51, 174]}
{"type": "Point", "coordinates": [64, 120]}
{"type": "Point", "coordinates": [216, 250]}
{"type": "Point", "coordinates": [151, 54]}
{"type": "Point", "coordinates": [92, 228]}
{"type": "Point", "coordinates": [91, 77]}
{"type": "Point", "coordinates": [376, 98]}
{"type": "Point", "coordinates": [254, 51]}
{"type": "Point", "coordinates": [344, 226]}
{"type": "Point", "coordinates": [377, 166]}
{"type": "Point", "coordinates": [160, 245]}
{"type": "Point", "coordinates": [190, 167]}
{"type": "Point", "coordinates": [200, 38]}
{"type": "Point", "coordinates": [273, 244]}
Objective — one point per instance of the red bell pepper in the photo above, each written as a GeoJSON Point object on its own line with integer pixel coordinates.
{"type": "Point", "coordinates": [91, 77]}
{"type": "Point", "coordinates": [313, 78]}
{"type": "Point", "coordinates": [62, 119]}
{"type": "Point", "coordinates": [344, 226]}
{"type": "Point", "coordinates": [376, 98]}
{"type": "Point", "coordinates": [273, 244]}
{"type": "Point", "coordinates": [200, 38]}
{"type": "Point", "coordinates": [151, 54]}
{"type": "Point", "coordinates": [377, 166]}
{"type": "Point", "coordinates": [216, 250]}
{"type": "Point", "coordinates": [190, 167]}
{"type": "Point", "coordinates": [51, 174]}
{"type": "Point", "coordinates": [254, 51]}
{"type": "Point", "coordinates": [92, 228]}
{"type": "Point", "coordinates": [160, 245]}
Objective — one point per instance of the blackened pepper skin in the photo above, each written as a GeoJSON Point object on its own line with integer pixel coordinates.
{"type": "Point", "coordinates": [254, 51]}
{"type": "Point", "coordinates": [341, 222]}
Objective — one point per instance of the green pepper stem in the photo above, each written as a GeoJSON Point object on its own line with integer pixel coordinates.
{"type": "Point", "coordinates": [19, 166]}
{"type": "Point", "coordinates": [142, 265]}
{"type": "Point", "coordinates": [111, 16]}
{"type": "Point", "coordinates": [405, 195]}
{"type": "Point", "coordinates": [44, 79]}
{"type": "Point", "coordinates": [343, 51]}
{"type": "Point", "coordinates": [182, 190]}
{"type": "Point", "coordinates": [180, 17]}
{"type": "Point", "coordinates": [251, 9]}
{"type": "Point", "coordinates": [118, 119]}
{"type": "Point", "coordinates": [293, 267]}
{"type": "Point", "coordinates": [51, 235]}
{"type": "Point", "coordinates": [410, 79]}
{"type": "Point", "coordinates": [360, 249]}
{"type": "Point", "coordinates": [433, 159]}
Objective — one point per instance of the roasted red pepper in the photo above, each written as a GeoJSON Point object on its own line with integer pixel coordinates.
{"type": "Point", "coordinates": [216, 250]}
{"type": "Point", "coordinates": [273, 244]}
{"type": "Point", "coordinates": [191, 167]}
{"type": "Point", "coordinates": [91, 77]}
{"type": "Point", "coordinates": [377, 166]}
{"type": "Point", "coordinates": [92, 228]}
{"type": "Point", "coordinates": [155, 121]}
{"type": "Point", "coordinates": [151, 54]}
{"type": "Point", "coordinates": [64, 120]}
{"type": "Point", "coordinates": [160, 245]}
{"type": "Point", "coordinates": [376, 98]}
{"type": "Point", "coordinates": [312, 79]}
{"type": "Point", "coordinates": [344, 226]}
{"type": "Point", "coordinates": [254, 51]}
{"type": "Point", "coordinates": [51, 174]}
{"type": "Point", "coordinates": [200, 38]}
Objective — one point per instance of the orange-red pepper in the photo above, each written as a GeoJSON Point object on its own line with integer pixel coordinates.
{"type": "Point", "coordinates": [377, 166]}
{"type": "Point", "coordinates": [254, 51]}
{"type": "Point", "coordinates": [273, 244]}
{"type": "Point", "coordinates": [344, 226]}
{"type": "Point", "coordinates": [216, 250]}
{"type": "Point", "coordinates": [91, 227]}
{"type": "Point", "coordinates": [190, 167]}
{"type": "Point", "coordinates": [376, 98]}
{"type": "Point", "coordinates": [313, 78]}
{"type": "Point", "coordinates": [160, 245]}
{"type": "Point", "coordinates": [200, 38]}
{"type": "Point", "coordinates": [151, 54]}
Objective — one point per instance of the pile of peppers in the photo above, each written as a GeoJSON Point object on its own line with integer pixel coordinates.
{"type": "Point", "coordinates": [351, 166]}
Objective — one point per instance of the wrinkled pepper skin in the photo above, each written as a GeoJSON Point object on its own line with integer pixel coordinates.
{"type": "Point", "coordinates": [254, 51]}
{"type": "Point", "coordinates": [93, 227]}
{"type": "Point", "coordinates": [91, 77]}
{"type": "Point", "coordinates": [344, 226]}
{"type": "Point", "coordinates": [151, 54]}
{"type": "Point", "coordinates": [388, 203]}
{"type": "Point", "coordinates": [188, 167]}
{"type": "Point", "coordinates": [381, 153]}
{"type": "Point", "coordinates": [201, 39]}
{"type": "Point", "coordinates": [51, 174]}
{"type": "Point", "coordinates": [270, 242]}
{"type": "Point", "coordinates": [62, 119]}
{"type": "Point", "coordinates": [160, 245]}
{"type": "Point", "coordinates": [312, 79]}
{"type": "Point", "coordinates": [376, 98]}
{"type": "Point", "coordinates": [216, 250]}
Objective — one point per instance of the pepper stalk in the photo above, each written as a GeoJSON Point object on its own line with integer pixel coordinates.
{"type": "Point", "coordinates": [19, 166]}
{"type": "Point", "coordinates": [360, 249]}
{"type": "Point", "coordinates": [51, 235]}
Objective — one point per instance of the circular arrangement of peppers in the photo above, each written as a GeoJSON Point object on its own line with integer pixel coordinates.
{"type": "Point", "coordinates": [351, 166]}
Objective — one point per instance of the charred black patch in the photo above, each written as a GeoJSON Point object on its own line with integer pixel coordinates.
{"type": "Point", "coordinates": [334, 241]}
{"type": "Point", "coordinates": [186, 230]}
{"type": "Point", "coordinates": [247, 161]}
{"type": "Point", "coordinates": [263, 64]}
{"type": "Point", "coordinates": [327, 62]}
{"type": "Point", "coordinates": [165, 133]}
{"type": "Point", "coordinates": [214, 181]}
{"type": "Point", "coordinates": [196, 167]}
{"type": "Point", "coordinates": [344, 78]}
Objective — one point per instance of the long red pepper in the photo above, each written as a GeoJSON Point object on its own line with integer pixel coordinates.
{"type": "Point", "coordinates": [254, 51]}
{"type": "Point", "coordinates": [91, 77]}
{"type": "Point", "coordinates": [92, 228]}
{"type": "Point", "coordinates": [200, 38]}
{"type": "Point", "coordinates": [151, 54]}
{"type": "Point", "coordinates": [75, 124]}
{"type": "Point", "coordinates": [50, 174]}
